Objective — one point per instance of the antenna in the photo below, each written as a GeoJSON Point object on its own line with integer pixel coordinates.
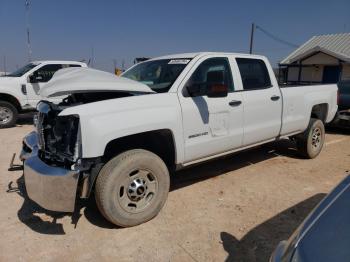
{"type": "Point", "coordinates": [27, 4]}
{"type": "Point", "coordinates": [251, 39]}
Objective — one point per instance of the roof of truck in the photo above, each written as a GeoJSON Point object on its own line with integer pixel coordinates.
{"type": "Point", "coordinates": [193, 55]}
{"type": "Point", "coordinates": [57, 62]}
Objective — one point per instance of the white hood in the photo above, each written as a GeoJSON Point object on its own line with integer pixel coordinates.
{"type": "Point", "coordinates": [79, 80]}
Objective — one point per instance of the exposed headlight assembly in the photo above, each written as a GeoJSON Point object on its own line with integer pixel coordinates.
{"type": "Point", "coordinates": [63, 140]}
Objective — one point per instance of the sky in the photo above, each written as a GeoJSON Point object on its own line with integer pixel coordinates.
{"type": "Point", "coordinates": [109, 31]}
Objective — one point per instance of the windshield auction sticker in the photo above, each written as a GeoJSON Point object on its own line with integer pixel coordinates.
{"type": "Point", "coordinates": [179, 61]}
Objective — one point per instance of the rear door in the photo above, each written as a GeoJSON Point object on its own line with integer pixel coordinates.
{"type": "Point", "coordinates": [262, 101]}
{"type": "Point", "coordinates": [211, 125]}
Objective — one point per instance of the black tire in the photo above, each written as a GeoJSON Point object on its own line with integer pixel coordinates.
{"type": "Point", "coordinates": [124, 203]}
{"type": "Point", "coordinates": [8, 114]}
{"type": "Point", "coordinates": [310, 142]}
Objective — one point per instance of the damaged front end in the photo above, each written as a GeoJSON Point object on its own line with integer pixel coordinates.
{"type": "Point", "coordinates": [59, 137]}
{"type": "Point", "coordinates": [52, 159]}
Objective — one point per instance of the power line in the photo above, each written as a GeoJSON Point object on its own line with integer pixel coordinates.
{"type": "Point", "coordinates": [276, 38]}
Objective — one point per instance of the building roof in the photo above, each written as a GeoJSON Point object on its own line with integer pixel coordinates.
{"type": "Point", "coordinates": [337, 45]}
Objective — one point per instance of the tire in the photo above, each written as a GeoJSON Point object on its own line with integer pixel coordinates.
{"type": "Point", "coordinates": [132, 187]}
{"type": "Point", "coordinates": [8, 114]}
{"type": "Point", "coordinates": [310, 142]}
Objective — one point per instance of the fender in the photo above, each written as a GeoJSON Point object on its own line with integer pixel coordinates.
{"type": "Point", "coordinates": [105, 121]}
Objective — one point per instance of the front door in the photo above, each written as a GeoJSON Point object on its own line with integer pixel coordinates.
{"type": "Point", "coordinates": [211, 125]}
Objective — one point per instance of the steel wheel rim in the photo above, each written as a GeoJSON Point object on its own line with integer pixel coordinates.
{"type": "Point", "coordinates": [6, 115]}
{"type": "Point", "coordinates": [316, 138]}
{"type": "Point", "coordinates": [137, 191]}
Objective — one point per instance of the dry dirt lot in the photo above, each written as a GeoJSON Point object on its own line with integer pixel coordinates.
{"type": "Point", "coordinates": [236, 209]}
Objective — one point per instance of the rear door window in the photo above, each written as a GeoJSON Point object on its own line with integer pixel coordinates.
{"type": "Point", "coordinates": [254, 73]}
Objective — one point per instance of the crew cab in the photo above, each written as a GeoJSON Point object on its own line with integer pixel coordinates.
{"type": "Point", "coordinates": [19, 91]}
{"type": "Point", "coordinates": [121, 137]}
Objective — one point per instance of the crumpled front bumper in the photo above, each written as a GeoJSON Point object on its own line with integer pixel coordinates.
{"type": "Point", "coordinates": [53, 188]}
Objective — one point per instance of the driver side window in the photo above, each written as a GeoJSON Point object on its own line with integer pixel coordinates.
{"type": "Point", "coordinates": [46, 72]}
{"type": "Point", "coordinates": [216, 64]}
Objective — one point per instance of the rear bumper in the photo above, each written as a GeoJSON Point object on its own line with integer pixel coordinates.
{"type": "Point", "coordinates": [53, 188]}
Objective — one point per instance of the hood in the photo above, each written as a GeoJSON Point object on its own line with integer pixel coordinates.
{"type": "Point", "coordinates": [83, 80]}
{"type": "Point", "coordinates": [8, 79]}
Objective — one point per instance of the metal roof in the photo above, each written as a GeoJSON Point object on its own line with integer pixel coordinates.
{"type": "Point", "coordinates": [337, 45]}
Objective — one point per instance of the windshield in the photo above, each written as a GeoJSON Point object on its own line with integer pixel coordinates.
{"type": "Point", "coordinates": [159, 75]}
{"type": "Point", "coordinates": [21, 71]}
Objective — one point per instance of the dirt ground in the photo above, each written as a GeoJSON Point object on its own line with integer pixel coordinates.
{"type": "Point", "coordinates": [236, 209]}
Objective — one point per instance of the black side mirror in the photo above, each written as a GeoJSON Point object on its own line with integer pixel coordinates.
{"type": "Point", "coordinates": [216, 86]}
{"type": "Point", "coordinates": [195, 89]}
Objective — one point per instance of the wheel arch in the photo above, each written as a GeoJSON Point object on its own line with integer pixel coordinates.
{"type": "Point", "coordinates": [320, 111]}
{"type": "Point", "coordinates": [11, 99]}
{"type": "Point", "coordinates": [160, 142]}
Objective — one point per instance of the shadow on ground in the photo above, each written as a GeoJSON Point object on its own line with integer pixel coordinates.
{"type": "Point", "coordinates": [45, 222]}
{"type": "Point", "coordinates": [217, 167]}
{"type": "Point", "coordinates": [337, 130]}
{"type": "Point", "coordinates": [25, 118]}
{"type": "Point", "coordinates": [260, 242]}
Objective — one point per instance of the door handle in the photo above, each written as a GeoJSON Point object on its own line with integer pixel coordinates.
{"type": "Point", "coordinates": [275, 98]}
{"type": "Point", "coordinates": [235, 103]}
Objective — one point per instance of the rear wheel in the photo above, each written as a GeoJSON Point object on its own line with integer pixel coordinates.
{"type": "Point", "coordinates": [132, 187]}
{"type": "Point", "coordinates": [310, 142]}
{"type": "Point", "coordinates": [8, 114]}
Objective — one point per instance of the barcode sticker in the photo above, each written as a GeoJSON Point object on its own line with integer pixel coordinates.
{"type": "Point", "coordinates": [179, 61]}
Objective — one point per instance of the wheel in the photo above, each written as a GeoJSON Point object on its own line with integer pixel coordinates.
{"type": "Point", "coordinates": [8, 114]}
{"type": "Point", "coordinates": [310, 142]}
{"type": "Point", "coordinates": [132, 187]}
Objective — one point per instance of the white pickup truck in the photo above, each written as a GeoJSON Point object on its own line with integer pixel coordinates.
{"type": "Point", "coordinates": [19, 91]}
{"type": "Point", "coordinates": [120, 137]}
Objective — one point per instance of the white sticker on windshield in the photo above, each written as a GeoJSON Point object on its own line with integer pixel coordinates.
{"type": "Point", "coordinates": [179, 61]}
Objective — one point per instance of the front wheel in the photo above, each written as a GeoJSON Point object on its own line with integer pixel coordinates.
{"type": "Point", "coordinates": [310, 143]}
{"type": "Point", "coordinates": [132, 187]}
{"type": "Point", "coordinates": [8, 114]}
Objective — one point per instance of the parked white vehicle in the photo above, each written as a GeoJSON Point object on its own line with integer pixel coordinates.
{"type": "Point", "coordinates": [19, 91]}
{"type": "Point", "coordinates": [121, 136]}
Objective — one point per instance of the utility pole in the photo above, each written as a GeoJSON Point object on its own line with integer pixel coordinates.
{"type": "Point", "coordinates": [4, 65]}
{"type": "Point", "coordinates": [92, 56]}
{"type": "Point", "coordinates": [123, 65]}
{"type": "Point", "coordinates": [28, 32]}
{"type": "Point", "coordinates": [251, 39]}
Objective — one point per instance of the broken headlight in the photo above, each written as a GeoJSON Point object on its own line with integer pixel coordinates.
{"type": "Point", "coordinates": [62, 141]}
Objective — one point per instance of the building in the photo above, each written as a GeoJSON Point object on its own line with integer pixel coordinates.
{"type": "Point", "coordinates": [322, 59]}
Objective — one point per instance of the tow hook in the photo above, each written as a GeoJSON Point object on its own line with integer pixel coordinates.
{"type": "Point", "coordinates": [14, 167]}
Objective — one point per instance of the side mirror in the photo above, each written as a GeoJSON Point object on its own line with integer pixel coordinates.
{"type": "Point", "coordinates": [195, 90]}
{"type": "Point", "coordinates": [216, 86]}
